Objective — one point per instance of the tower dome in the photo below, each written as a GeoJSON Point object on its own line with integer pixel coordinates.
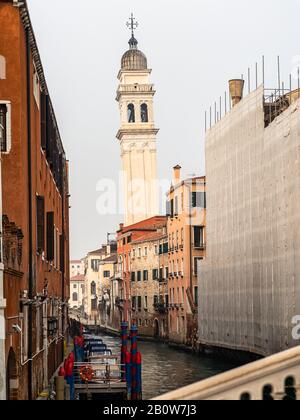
{"type": "Point", "coordinates": [134, 59]}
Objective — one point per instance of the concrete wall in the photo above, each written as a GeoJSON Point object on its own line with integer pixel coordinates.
{"type": "Point", "coordinates": [249, 288]}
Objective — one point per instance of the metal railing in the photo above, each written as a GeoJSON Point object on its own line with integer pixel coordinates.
{"type": "Point", "coordinates": [105, 371]}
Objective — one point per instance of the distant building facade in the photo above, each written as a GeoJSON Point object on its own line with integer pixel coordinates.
{"type": "Point", "coordinates": [99, 268]}
{"type": "Point", "coordinates": [77, 292]}
{"type": "Point", "coordinates": [186, 209]}
{"type": "Point", "coordinates": [148, 268]}
{"type": "Point", "coordinates": [77, 268]}
{"type": "Point", "coordinates": [125, 237]}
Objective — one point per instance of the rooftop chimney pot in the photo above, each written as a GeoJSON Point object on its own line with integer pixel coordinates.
{"type": "Point", "coordinates": [236, 88]}
{"type": "Point", "coordinates": [177, 174]}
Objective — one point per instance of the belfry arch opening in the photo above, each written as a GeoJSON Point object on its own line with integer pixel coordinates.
{"type": "Point", "coordinates": [131, 113]}
{"type": "Point", "coordinates": [144, 113]}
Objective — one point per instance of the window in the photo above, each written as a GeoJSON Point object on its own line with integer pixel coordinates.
{"type": "Point", "coordinates": [145, 302]}
{"type": "Point", "coordinates": [129, 239]}
{"type": "Point", "coordinates": [196, 262]}
{"type": "Point", "coordinates": [198, 236]}
{"type": "Point", "coordinates": [144, 113]}
{"type": "Point", "coordinates": [139, 303]}
{"type": "Point", "coordinates": [176, 206]}
{"type": "Point", "coordinates": [140, 253]}
{"type": "Point", "coordinates": [161, 274]}
{"type": "Point", "coordinates": [155, 249]}
{"type": "Point", "coordinates": [145, 251]}
{"type": "Point", "coordinates": [50, 236]}
{"type": "Point", "coordinates": [5, 126]}
{"type": "Point", "coordinates": [75, 297]}
{"type": "Point", "coordinates": [93, 288]}
{"type": "Point", "coordinates": [131, 113]}
{"type": "Point", "coordinates": [170, 208]}
{"type": "Point", "coordinates": [74, 286]}
{"type": "Point", "coordinates": [36, 87]}
{"type": "Point", "coordinates": [40, 221]}
{"type": "Point", "coordinates": [155, 274]}
{"type": "Point", "coordinates": [139, 276]}
{"type": "Point", "coordinates": [94, 304]}
{"type": "Point", "coordinates": [133, 276]}
{"type": "Point", "coordinates": [182, 295]}
{"type": "Point", "coordinates": [155, 300]}
{"type": "Point", "coordinates": [198, 199]}
{"type": "Point", "coordinates": [95, 265]}
{"type": "Point", "coordinates": [106, 274]}
{"type": "Point", "coordinates": [133, 303]}
{"type": "Point", "coordinates": [2, 68]}
{"type": "Point", "coordinates": [133, 253]}
{"type": "Point", "coordinates": [145, 275]}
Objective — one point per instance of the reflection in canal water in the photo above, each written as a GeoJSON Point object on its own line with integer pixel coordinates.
{"type": "Point", "coordinates": [166, 369]}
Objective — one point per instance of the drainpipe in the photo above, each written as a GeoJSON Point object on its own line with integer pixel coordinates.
{"type": "Point", "coordinates": [30, 224]}
{"type": "Point", "coordinates": [2, 304]}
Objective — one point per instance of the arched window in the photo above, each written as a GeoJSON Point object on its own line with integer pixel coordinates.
{"type": "Point", "coordinates": [93, 288]}
{"type": "Point", "coordinates": [246, 397]}
{"type": "Point", "coordinates": [144, 113]}
{"type": "Point", "coordinates": [75, 297]}
{"type": "Point", "coordinates": [290, 390]}
{"type": "Point", "coordinates": [2, 67]}
{"type": "Point", "coordinates": [131, 113]}
{"type": "Point", "coordinates": [268, 393]}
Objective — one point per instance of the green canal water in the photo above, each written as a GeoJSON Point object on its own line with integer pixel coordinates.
{"type": "Point", "coordinates": [166, 369]}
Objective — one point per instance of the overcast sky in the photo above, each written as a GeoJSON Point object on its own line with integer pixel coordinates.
{"type": "Point", "coordinates": [193, 46]}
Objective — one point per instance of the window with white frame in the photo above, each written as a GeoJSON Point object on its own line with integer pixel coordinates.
{"type": "Point", "coordinates": [5, 126]}
{"type": "Point", "coordinates": [36, 87]}
{"type": "Point", "coordinates": [2, 68]}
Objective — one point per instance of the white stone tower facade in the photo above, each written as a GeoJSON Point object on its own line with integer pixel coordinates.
{"type": "Point", "coordinates": [137, 135]}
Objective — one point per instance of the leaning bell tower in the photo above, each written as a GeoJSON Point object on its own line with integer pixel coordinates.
{"type": "Point", "coordinates": [137, 134]}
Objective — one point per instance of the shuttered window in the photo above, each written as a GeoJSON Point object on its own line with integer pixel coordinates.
{"type": "Point", "coordinates": [198, 199]}
{"type": "Point", "coordinates": [40, 219]}
{"type": "Point", "coordinates": [44, 105]}
{"type": "Point", "coordinates": [50, 236]}
{"type": "Point", "coordinates": [3, 128]}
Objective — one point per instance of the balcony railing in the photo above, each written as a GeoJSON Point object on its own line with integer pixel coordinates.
{"type": "Point", "coordinates": [160, 307]}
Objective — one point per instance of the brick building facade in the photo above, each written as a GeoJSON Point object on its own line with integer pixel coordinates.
{"type": "Point", "coordinates": [35, 212]}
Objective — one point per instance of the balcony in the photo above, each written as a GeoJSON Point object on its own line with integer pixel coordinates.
{"type": "Point", "coordinates": [160, 307]}
{"type": "Point", "coordinates": [119, 302]}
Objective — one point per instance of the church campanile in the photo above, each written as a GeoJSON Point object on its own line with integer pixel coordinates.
{"type": "Point", "coordinates": [137, 134]}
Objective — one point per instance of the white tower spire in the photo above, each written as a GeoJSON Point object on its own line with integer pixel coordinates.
{"type": "Point", "coordinates": [137, 134]}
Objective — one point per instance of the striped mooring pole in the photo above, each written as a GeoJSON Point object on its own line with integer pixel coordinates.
{"type": "Point", "coordinates": [124, 337]}
{"type": "Point", "coordinates": [134, 390]}
{"type": "Point", "coordinates": [128, 374]}
{"type": "Point", "coordinates": [139, 376]}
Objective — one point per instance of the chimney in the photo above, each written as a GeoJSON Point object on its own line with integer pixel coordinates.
{"type": "Point", "coordinates": [176, 174]}
{"type": "Point", "coordinates": [236, 88]}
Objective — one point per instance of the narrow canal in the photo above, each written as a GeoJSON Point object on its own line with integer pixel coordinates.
{"type": "Point", "coordinates": [166, 369]}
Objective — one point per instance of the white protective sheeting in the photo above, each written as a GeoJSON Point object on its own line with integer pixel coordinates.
{"type": "Point", "coordinates": [249, 284]}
